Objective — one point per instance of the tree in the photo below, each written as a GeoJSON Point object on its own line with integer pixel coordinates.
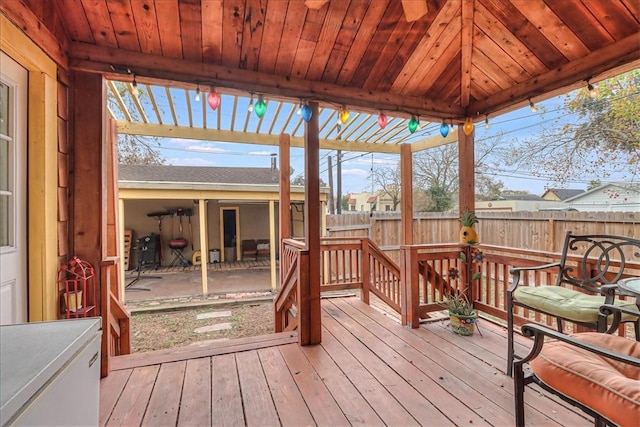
{"type": "Point", "coordinates": [134, 149]}
{"type": "Point", "coordinates": [299, 180]}
{"type": "Point", "coordinates": [344, 203]}
{"type": "Point", "coordinates": [388, 180]}
{"type": "Point", "coordinates": [600, 137]}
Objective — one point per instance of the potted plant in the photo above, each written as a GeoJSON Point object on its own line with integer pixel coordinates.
{"type": "Point", "coordinates": [462, 315]}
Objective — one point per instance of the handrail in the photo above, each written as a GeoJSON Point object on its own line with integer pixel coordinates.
{"type": "Point", "coordinates": [116, 337]}
{"type": "Point", "coordinates": [385, 278]}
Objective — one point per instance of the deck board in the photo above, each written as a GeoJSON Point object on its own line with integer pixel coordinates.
{"type": "Point", "coordinates": [368, 370]}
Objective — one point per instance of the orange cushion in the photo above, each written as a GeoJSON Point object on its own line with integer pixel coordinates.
{"type": "Point", "coordinates": [608, 387]}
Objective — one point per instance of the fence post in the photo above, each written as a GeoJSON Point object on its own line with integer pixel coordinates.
{"type": "Point", "coordinates": [366, 270]}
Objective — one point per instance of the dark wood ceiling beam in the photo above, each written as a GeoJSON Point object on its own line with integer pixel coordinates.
{"type": "Point", "coordinates": [621, 56]}
{"type": "Point", "coordinates": [89, 58]}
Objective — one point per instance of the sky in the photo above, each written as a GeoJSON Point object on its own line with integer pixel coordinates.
{"type": "Point", "coordinates": [356, 166]}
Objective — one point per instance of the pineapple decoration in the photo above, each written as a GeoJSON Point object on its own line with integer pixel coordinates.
{"type": "Point", "coordinates": [468, 234]}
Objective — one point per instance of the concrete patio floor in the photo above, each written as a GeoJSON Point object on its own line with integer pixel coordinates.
{"type": "Point", "coordinates": [225, 280]}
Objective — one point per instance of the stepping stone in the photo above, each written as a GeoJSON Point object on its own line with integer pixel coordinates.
{"type": "Point", "coordinates": [213, 328]}
{"type": "Point", "coordinates": [213, 315]}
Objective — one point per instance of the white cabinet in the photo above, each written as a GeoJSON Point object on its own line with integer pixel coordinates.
{"type": "Point", "coordinates": [50, 373]}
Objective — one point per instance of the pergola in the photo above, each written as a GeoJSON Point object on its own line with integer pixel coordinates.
{"type": "Point", "coordinates": [462, 60]}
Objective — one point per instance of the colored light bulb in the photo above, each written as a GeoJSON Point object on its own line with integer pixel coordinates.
{"type": "Point", "coordinates": [413, 124]}
{"type": "Point", "coordinates": [382, 120]}
{"type": "Point", "coordinates": [444, 129]}
{"type": "Point", "coordinates": [306, 113]}
{"type": "Point", "coordinates": [344, 115]}
{"type": "Point", "coordinates": [468, 126]}
{"type": "Point", "coordinates": [214, 100]}
{"type": "Point", "coordinates": [261, 107]}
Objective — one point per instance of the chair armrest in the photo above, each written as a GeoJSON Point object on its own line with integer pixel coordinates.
{"type": "Point", "coordinates": [616, 311]}
{"type": "Point", "coordinates": [516, 273]}
{"type": "Point", "coordinates": [539, 332]}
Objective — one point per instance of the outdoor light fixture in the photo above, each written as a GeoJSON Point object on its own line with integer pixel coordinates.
{"type": "Point", "coordinates": [306, 112]}
{"type": "Point", "coordinates": [486, 122]}
{"type": "Point", "coordinates": [299, 108]}
{"type": "Point", "coordinates": [344, 115]}
{"type": "Point", "coordinates": [197, 96]}
{"type": "Point", "coordinates": [593, 91]}
{"type": "Point", "coordinates": [534, 109]}
{"type": "Point", "coordinates": [134, 87]}
{"type": "Point", "coordinates": [444, 129]}
{"type": "Point", "coordinates": [260, 107]}
{"type": "Point", "coordinates": [213, 99]}
{"type": "Point", "coordinates": [468, 126]}
{"type": "Point", "coordinates": [382, 120]}
{"type": "Point", "coordinates": [250, 108]}
{"type": "Point", "coordinates": [413, 124]}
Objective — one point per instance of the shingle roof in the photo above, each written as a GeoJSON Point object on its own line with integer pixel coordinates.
{"type": "Point", "coordinates": [206, 174]}
{"type": "Point", "coordinates": [564, 193]}
{"type": "Point", "coordinates": [519, 197]}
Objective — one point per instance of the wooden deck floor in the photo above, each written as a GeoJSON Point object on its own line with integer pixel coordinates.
{"type": "Point", "coordinates": [368, 370]}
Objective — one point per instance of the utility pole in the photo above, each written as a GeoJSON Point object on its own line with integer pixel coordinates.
{"type": "Point", "coordinates": [339, 177]}
{"type": "Point", "coordinates": [332, 205]}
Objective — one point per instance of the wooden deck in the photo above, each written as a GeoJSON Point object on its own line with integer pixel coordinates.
{"type": "Point", "coordinates": [368, 370]}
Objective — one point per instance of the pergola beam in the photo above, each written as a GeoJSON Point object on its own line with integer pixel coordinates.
{"type": "Point", "coordinates": [169, 131]}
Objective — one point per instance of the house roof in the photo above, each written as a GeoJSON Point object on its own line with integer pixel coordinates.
{"type": "Point", "coordinates": [519, 197]}
{"type": "Point", "coordinates": [614, 187]}
{"type": "Point", "coordinates": [372, 199]}
{"type": "Point", "coordinates": [199, 174]}
{"type": "Point", "coordinates": [564, 193]}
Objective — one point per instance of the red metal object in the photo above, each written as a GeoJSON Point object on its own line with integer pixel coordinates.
{"type": "Point", "coordinates": [76, 289]}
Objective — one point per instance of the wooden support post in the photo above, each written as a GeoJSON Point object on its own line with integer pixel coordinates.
{"type": "Point", "coordinates": [204, 245]}
{"type": "Point", "coordinates": [284, 204]}
{"type": "Point", "coordinates": [466, 175]}
{"type": "Point", "coordinates": [366, 271]}
{"type": "Point", "coordinates": [406, 194]}
{"type": "Point", "coordinates": [121, 266]}
{"type": "Point", "coordinates": [272, 243]}
{"type": "Point", "coordinates": [305, 319]}
{"type": "Point", "coordinates": [312, 223]}
{"type": "Point", "coordinates": [411, 291]}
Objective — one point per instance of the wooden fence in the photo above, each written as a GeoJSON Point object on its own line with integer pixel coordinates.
{"type": "Point", "coordinates": [540, 231]}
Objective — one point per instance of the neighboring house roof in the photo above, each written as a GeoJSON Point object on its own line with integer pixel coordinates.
{"type": "Point", "coordinates": [371, 199]}
{"type": "Point", "coordinates": [204, 174]}
{"type": "Point", "coordinates": [615, 190]}
{"type": "Point", "coordinates": [519, 197]}
{"type": "Point", "coordinates": [563, 193]}
{"type": "Point", "coordinates": [352, 201]}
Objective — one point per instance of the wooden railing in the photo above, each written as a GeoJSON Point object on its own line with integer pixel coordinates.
{"type": "Point", "coordinates": [358, 263]}
{"type": "Point", "coordinates": [116, 338]}
{"type": "Point", "coordinates": [428, 279]}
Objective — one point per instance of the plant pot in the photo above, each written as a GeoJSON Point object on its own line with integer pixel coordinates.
{"type": "Point", "coordinates": [463, 325]}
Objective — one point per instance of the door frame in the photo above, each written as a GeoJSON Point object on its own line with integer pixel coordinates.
{"type": "Point", "coordinates": [238, 239]}
{"type": "Point", "coordinates": [42, 164]}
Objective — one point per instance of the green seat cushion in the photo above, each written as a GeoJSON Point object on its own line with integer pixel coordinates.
{"type": "Point", "coordinates": [566, 303]}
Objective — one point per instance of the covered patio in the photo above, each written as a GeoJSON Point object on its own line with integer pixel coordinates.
{"type": "Point", "coordinates": [459, 62]}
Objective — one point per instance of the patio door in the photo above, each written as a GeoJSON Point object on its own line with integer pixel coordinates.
{"type": "Point", "coordinates": [230, 233]}
{"type": "Point", "coordinates": [13, 187]}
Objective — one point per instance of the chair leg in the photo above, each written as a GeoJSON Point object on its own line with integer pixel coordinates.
{"type": "Point", "coordinates": [559, 322]}
{"type": "Point", "coordinates": [518, 392]}
{"type": "Point", "coordinates": [510, 350]}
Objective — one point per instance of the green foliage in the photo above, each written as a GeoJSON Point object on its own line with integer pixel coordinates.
{"type": "Point", "coordinates": [600, 136]}
{"type": "Point", "coordinates": [468, 219]}
{"type": "Point", "coordinates": [441, 200]}
{"type": "Point", "coordinates": [458, 303]}
{"type": "Point", "coordinates": [299, 180]}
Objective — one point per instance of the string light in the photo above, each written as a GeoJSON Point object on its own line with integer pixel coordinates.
{"type": "Point", "coordinates": [260, 107]}
{"type": "Point", "coordinates": [306, 112]}
{"type": "Point", "coordinates": [213, 99]}
{"type": "Point", "coordinates": [197, 96]}
{"type": "Point", "coordinates": [134, 87]}
{"type": "Point", "coordinates": [250, 108]}
{"type": "Point", "coordinates": [534, 109]}
{"type": "Point", "coordinates": [444, 129]}
{"type": "Point", "coordinates": [486, 122]}
{"type": "Point", "coordinates": [382, 120]}
{"type": "Point", "coordinates": [299, 108]}
{"type": "Point", "coordinates": [468, 126]}
{"type": "Point", "coordinates": [413, 124]}
{"type": "Point", "coordinates": [343, 117]}
{"type": "Point", "coordinates": [593, 91]}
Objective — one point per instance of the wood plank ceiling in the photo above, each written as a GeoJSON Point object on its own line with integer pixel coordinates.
{"type": "Point", "coordinates": [464, 58]}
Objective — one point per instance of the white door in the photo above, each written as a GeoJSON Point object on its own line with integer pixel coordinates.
{"type": "Point", "coordinates": [13, 187]}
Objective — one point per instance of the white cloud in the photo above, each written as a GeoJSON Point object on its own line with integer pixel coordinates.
{"type": "Point", "coordinates": [356, 172]}
{"type": "Point", "coordinates": [260, 153]}
{"type": "Point", "coordinates": [376, 161]}
{"type": "Point", "coordinates": [206, 149]}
